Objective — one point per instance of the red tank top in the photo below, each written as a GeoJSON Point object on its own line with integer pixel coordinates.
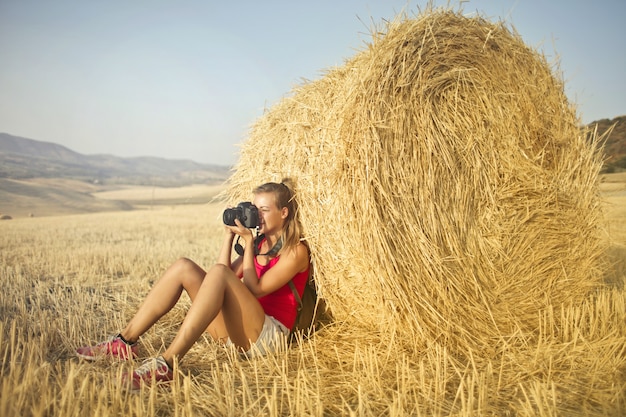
{"type": "Point", "coordinates": [281, 304]}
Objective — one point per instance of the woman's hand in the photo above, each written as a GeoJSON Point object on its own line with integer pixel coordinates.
{"type": "Point", "coordinates": [240, 230]}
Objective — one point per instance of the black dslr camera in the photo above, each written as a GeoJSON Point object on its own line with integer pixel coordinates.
{"type": "Point", "coordinates": [246, 212]}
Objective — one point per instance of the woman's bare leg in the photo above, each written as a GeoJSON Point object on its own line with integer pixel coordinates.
{"type": "Point", "coordinates": [217, 329]}
{"type": "Point", "coordinates": [221, 291]}
{"type": "Point", "coordinates": [184, 274]}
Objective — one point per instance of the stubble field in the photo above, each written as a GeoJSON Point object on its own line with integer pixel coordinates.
{"type": "Point", "coordinates": [75, 279]}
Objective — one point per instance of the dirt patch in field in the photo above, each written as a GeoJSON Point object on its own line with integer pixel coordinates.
{"type": "Point", "coordinates": [192, 194]}
{"type": "Point", "coordinates": [41, 197]}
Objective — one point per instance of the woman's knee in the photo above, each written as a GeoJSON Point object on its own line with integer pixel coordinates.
{"type": "Point", "coordinates": [220, 270]}
{"type": "Point", "coordinates": [220, 273]}
{"type": "Point", "coordinates": [185, 265]}
{"type": "Point", "coordinates": [187, 271]}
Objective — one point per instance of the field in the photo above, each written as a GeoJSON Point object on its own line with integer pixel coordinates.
{"type": "Point", "coordinates": [38, 197]}
{"type": "Point", "coordinates": [75, 279]}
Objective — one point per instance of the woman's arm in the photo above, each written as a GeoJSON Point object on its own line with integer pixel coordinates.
{"type": "Point", "coordinates": [227, 246]}
{"type": "Point", "coordinates": [225, 254]}
{"type": "Point", "coordinates": [290, 263]}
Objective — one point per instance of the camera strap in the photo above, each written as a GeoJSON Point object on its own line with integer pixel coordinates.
{"type": "Point", "coordinates": [273, 251]}
{"type": "Point", "coordinates": [257, 241]}
{"type": "Point", "coordinates": [238, 248]}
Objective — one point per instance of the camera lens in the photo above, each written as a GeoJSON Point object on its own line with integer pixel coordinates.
{"type": "Point", "coordinates": [229, 216]}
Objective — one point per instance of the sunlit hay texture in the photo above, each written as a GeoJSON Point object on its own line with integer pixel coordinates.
{"type": "Point", "coordinates": [445, 187]}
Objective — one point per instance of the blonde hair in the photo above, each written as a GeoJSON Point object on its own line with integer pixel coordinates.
{"type": "Point", "coordinates": [284, 196]}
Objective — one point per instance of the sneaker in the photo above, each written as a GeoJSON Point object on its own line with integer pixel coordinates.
{"type": "Point", "coordinates": [114, 347]}
{"type": "Point", "coordinates": [153, 371]}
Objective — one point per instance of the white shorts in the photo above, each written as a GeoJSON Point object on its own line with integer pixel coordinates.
{"type": "Point", "coordinates": [273, 338]}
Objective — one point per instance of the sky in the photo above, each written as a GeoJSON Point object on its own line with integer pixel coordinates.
{"type": "Point", "coordinates": [186, 79]}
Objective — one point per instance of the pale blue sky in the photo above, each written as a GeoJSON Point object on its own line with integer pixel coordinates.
{"type": "Point", "coordinates": [186, 79]}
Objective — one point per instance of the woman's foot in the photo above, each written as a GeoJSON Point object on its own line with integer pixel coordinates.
{"type": "Point", "coordinates": [115, 347]}
{"type": "Point", "coordinates": [153, 371]}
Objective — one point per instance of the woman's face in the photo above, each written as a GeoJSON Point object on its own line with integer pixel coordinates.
{"type": "Point", "coordinates": [271, 218]}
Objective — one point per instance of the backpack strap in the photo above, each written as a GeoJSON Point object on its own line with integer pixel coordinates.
{"type": "Point", "coordinates": [295, 293]}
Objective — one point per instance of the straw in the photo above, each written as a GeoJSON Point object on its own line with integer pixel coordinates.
{"type": "Point", "coordinates": [444, 182]}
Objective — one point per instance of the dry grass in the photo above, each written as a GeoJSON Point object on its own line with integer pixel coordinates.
{"type": "Point", "coordinates": [75, 279]}
{"type": "Point", "coordinates": [454, 214]}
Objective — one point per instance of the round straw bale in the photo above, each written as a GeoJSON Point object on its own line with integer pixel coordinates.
{"type": "Point", "coordinates": [445, 187]}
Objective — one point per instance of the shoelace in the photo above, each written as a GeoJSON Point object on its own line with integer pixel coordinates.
{"type": "Point", "coordinates": [153, 364]}
{"type": "Point", "coordinates": [103, 346]}
{"type": "Point", "coordinates": [111, 339]}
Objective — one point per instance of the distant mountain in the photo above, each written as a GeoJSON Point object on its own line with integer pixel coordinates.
{"type": "Point", "coordinates": [615, 143]}
{"type": "Point", "coordinates": [22, 158]}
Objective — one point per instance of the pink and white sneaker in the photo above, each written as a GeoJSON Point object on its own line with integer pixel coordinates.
{"type": "Point", "coordinates": [153, 371]}
{"type": "Point", "coordinates": [115, 347]}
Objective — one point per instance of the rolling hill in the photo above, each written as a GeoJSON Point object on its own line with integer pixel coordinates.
{"type": "Point", "coordinates": [22, 158]}
{"type": "Point", "coordinates": [615, 143]}
{"type": "Point", "coordinates": [43, 179]}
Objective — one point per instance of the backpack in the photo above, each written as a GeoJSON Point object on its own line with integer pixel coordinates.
{"type": "Point", "coordinates": [307, 309]}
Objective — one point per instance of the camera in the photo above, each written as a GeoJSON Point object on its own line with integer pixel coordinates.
{"type": "Point", "coordinates": [246, 212]}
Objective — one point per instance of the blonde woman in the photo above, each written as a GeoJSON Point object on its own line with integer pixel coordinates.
{"type": "Point", "coordinates": [246, 303]}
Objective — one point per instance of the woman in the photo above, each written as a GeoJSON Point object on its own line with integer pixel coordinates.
{"type": "Point", "coordinates": [247, 303]}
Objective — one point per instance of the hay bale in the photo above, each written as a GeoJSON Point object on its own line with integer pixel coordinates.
{"type": "Point", "coordinates": [446, 190]}
{"type": "Point", "coordinates": [5, 217]}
